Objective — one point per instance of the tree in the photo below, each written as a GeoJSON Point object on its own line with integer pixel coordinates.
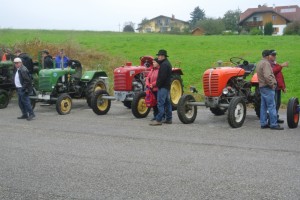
{"type": "Point", "coordinates": [196, 15]}
{"type": "Point", "coordinates": [231, 20]}
{"type": "Point", "coordinates": [292, 28]}
{"type": "Point", "coordinates": [128, 27]}
{"type": "Point", "coordinates": [268, 28]}
{"type": "Point", "coordinates": [212, 26]}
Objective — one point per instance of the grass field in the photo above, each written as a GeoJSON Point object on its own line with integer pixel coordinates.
{"type": "Point", "coordinates": [194, 54]}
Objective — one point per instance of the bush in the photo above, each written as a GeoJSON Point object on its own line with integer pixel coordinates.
{"type": "Point", "coordinates": [268, 28]}
{"type": "Point", "coordinates": [256, 31]}
{"type": "Point", "coordinates": [292, 28]}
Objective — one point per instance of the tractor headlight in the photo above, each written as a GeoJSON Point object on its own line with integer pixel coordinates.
{"type": "Point", "coordinates": [225, 91]}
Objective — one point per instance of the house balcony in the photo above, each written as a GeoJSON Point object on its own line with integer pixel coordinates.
{"type": "Point", "coordinates": [253, 24]}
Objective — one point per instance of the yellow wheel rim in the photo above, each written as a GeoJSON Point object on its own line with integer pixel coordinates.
{"type": "Point", "coordinates": [142, 108]}
{"type": "Point", "coordinates": [102, 104]}
{"type": "Point", "coordinates": [66, 105]}
{"type": "Point", "coordinates": [100, 86]}
{"type": "Point", "coordinates": [176, 91]}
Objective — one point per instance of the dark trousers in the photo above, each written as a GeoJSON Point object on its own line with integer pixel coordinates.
{"type": "Point", "coordinates": [277, 100]}
{"type": "Point", "coordinates": [24, 102]}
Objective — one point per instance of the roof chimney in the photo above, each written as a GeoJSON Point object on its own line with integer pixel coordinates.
{"type": "Point", "coordinates": [173, 16]}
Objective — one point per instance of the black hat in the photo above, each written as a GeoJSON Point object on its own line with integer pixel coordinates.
{"type": "Point", "coordinates": [265, 53]}
{"type": "Point", "coordinates": [273, 52]}
{"type": "Point", "coordinates": [162, 52]}
{"type": "Point", "coordinates": [45, 51]}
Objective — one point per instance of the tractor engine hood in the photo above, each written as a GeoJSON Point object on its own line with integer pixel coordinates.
{"type": "Point", "coordinates": [215, 79]}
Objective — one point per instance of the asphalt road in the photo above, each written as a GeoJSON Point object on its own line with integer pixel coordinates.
{"type": "Point", "coordinates": [85, 156]}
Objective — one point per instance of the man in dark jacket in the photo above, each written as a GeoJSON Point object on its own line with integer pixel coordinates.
{"type": "Point", "coordinates": [26, 60]}
{"type": "Point", "coordinates": [47, 60]}
{"type": "Point", "coordinates": [163, 83]}
{"type": "Point", "coordinates": [24, 87]}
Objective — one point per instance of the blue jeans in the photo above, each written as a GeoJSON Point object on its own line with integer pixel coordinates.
{"type": "Point", "coordinates": [24, 102]}
{"type": "Point", "coordinates": [164, 105]}
{"type": "Point", "coordinates": [268, 105]}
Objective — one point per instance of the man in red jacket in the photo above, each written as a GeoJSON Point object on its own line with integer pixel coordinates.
{"type": "Point", "coordinates": [277, 70]}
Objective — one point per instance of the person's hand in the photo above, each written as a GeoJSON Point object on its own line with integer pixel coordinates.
{"type": "Point", "coordinates": [285, 64]}
{"type": "Point", "coordinates": [284, 90]}
{"type": "Point", "coordinates": [26, 91]}
{"type": "Point", "coordinates": [151, 86]}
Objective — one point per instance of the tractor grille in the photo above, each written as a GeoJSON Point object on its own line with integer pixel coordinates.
{"type": "Point", "coordinates": [45, 84]}
{"type": "Point", "coordinates": [120, 82]}
{"type": "Point", "coordinates": [211, 84]}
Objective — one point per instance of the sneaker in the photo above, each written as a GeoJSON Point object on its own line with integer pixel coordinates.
{"type": "Point", "coordinates": [23, 117]}
{"type": "Point", "coordinates": [155, 123]}
{"type": "Point", "coordinates": [277, 128]}
{"type": "Point", "coordinates": [30, 117]}
{"type": "Point", "coordinates": [265, 126]}
{"type": "Point", "coordinates": [280, 121]}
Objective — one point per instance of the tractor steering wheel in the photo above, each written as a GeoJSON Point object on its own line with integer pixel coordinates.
{"type": "Point", "coordinates": [238, 61]}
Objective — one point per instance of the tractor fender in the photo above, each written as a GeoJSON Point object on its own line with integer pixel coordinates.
{"type": "Point", "coordinates": [90, 75]}
{"type": "Point", "coordinates": [254, 79]}
{"type": "Point", "coordinates": [177, 71]}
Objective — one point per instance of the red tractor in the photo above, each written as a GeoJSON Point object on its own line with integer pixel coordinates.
{"type": "Point", "coordinates": [293, 110]}
{"type": "Point", "coordinates": [129, 87]}
{"type": "Point", "coordinates": [225, 89]}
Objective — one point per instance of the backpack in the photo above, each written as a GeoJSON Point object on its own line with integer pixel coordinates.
{"type": "Point", "coordinates": [150, 99]}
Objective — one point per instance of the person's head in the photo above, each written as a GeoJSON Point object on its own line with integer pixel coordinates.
{"type": "Point", "coordinates": [45, 52]}
{"type": "Point", "coordinates": [162, 54]}
{"type": "Point", "coordinates": [18, 62]}
{"type": "Point", "coordinates": [155, 62]}
{"type": "Point", "coordinates": [18, 52]}
{"type": "Point", "coordinates": [272, 56]}
{"type": "Point", "coordinates": [61, 52]}
{"type": "Point", "coordinates": [265, 54]}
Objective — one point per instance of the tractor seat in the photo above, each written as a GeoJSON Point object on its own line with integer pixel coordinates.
{"type": "Point", "coordinates": [249, 68]}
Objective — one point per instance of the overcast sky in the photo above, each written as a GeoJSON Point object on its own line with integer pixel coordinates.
{"type": "Point", "coordinates": [110, 15]}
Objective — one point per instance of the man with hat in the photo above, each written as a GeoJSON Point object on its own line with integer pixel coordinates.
{"type": "Point", "coordinates": [277, 70]}
{"type": "Point", "coordinates": [23, 84]}
{"type": "Point", "coordinates": [47, 60]}
{"type": "Point", "coordinates": [163, 83]}
{"type": "Point", "coordinates": [267, 86]}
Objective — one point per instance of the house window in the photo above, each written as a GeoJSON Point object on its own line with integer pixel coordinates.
{"type": "Point", "coordinates": [255, 19]}
{"type": "Point", "coordinates": [167, 21]}
{"type": "Point", "coordinates": [275, 30]}
{"type": "Point", "coordinates": [273, 17]}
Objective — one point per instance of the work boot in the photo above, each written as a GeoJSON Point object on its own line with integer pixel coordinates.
{"type": "Point", "coordinates": [278, 127]}
{"type": "Point", "coordinates": [167, 121]}
{"type": "Point", "coordinates": [23, 117]}
{"type": "Point", "coordinates": [30, 117]}
{"type": "Point", "coordinates": [280, 121]}
{"type": "Point", "coordinates": [155, 123]}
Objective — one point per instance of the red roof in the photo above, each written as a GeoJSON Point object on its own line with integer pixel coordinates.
{"type": "Point", "coordinates": [291, 13]}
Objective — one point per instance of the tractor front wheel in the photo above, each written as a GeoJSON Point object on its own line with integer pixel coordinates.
{"type": "Point", "coordinates": [138, 106]}
{"type": "Point", "coordinates": [176, 90]}
{"type": "Point", "coordinates": [99, 105]}
{"type": "Point", "coordinates": [236, 112]}
{"type": "Point", "coordinates": [293, 112]}
{"type": "Point", "coordinates": [4, 98]}
{"type": "Point", "coordinates": [186, 113]}
{"type": "Point", "coordinates": [64, 104]}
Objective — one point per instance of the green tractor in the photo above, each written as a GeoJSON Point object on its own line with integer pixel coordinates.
{"type": "Point", "coordinates": [7, 85]}
{"type": "Point", "coordinates": [59, 86]}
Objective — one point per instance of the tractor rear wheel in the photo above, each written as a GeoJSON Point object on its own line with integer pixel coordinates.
{"type": "Point", "coordinates": [186, 113]}
{"type": "Point", "coordinates": [127, 104]}
{"type": "Point", "coordinates": [4, 98]}
{"type": "Point", "coordinates": [218, 111]}
{"type": "Point", "coordinates": [99, 105]}
{"type": "Point", "coordinates": [64, 104]}
{"type": "Point", "coordinates": [94, 85]}
{"type": "Point", "coordinates": [293, 112]}
{"type": "Point", "coordinates": [138, 106]}
{"type": "Point", "coordinates": [236, 112]}
{"type": "Point", "coordinates": [176, 90]}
